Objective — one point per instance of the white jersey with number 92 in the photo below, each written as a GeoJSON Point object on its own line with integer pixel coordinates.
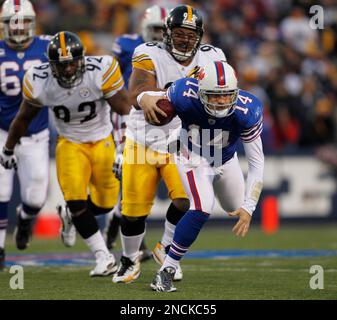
{"type": "Point", "coordinates": [81, 113]}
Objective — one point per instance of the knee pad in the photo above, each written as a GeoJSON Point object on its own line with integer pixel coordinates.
{"type": "Point", "coordinates": [35, 201]}
{"type": "Point", "coordinates": [181, 204]}
{"type": "Point", "coordinates": [77, 207]}
{"type": "Point", "coordinates": [132, 226]}
{"type": "Point", "coordinates": [30, 210]}
{"type": "Point", "coordinates": [96, 210]}
{"type": "Point", "coordinates": [174, 213]}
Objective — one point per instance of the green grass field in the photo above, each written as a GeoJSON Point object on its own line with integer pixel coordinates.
{"type": "Point", "coordinates": [218, 279]}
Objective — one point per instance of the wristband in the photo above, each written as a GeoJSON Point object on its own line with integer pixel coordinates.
{"type": "Point", "coordinates": [7, 152]}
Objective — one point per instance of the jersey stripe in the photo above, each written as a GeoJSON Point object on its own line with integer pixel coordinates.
{"type": "Point", "coordinates": [145, 64]}
{"type": "Point", "coordinates": [113, 79]}
{"type": "Point", "coordinates": [111, 70]}
{"type": "Point", "coordinates": [220, 71]}
{"type": "Point", "coordinates": [27, 89]}
{"type": "Point", "coordinates": [115, 87]}
{"type": "Point", "coordinates": [26, 82]}
{"type": "Point", "coordinates": [137, 58]}
{"type": "Point", "coordinates": [194, 190]}
{"type": "Point", "coordinates": [253, 128]}
{"type": "Point", "coordinates": [27, 94]}
{"type": "Point", "coordinates": [253, 133]}
{"type": "Point", "coordinates": [63, 44]}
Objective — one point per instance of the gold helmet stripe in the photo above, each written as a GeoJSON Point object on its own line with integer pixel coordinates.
{"type": "Point", "coordinates": [189, 14]}
{"type": "Point", "coordinates": [63, 44]}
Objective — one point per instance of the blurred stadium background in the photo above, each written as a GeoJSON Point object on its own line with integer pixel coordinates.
{"type": "Point", "coordinates": [290, 66]}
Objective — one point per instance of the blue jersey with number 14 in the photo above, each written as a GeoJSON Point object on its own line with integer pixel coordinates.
{"type": "Point", "coordinates": [13, 65]}
{"type": "Point", "coordinates": [213, 138]}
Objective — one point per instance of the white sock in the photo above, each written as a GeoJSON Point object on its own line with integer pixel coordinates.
{"type": "Point", "coordinates": [170, 262]}
{"type": "Point", "coordinates": [108, 217]}
{"type": "Point", "coordinates": [26, 216]}
{"type": "Point", "coordinates": [2, 238]}
{"type": "Point", "coordinates": [168, 234]}
{"type": "Point", "coordinates": [131, 245]}
{"type": "Point", "coordinates": [96, 243]}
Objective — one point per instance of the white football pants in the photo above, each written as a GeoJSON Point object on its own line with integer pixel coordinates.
{"type": "Point", "coordinates": [203, 183]}
{"type": "Point", "coordinates": [33, 169]}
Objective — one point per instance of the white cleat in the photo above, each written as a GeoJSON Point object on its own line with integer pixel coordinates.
{"type": "Point", "coordinates": [68, 230]}
{"type": "Point", "coordinates": [128, 271]}
{"type": "Point", "coordinates": [159, 255]}
{"type": "Point", "coordinates": [105, 265]}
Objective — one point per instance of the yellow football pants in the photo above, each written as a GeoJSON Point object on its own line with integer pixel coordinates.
{"type": "Point", "coordinates": [87, 167]}
{"type": "Point", "coordinates": [142, 170]}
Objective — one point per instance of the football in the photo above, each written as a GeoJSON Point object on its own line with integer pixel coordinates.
{"type": "Point", "coordinates": [167, 107]}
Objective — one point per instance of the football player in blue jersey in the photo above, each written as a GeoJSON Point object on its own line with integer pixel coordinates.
{"type": "Point", "coordinates": [20, 50]}
{"type": "Point", "coordinates": [152, 25]}
{"type": "Point", "coordinates": [215, 115]}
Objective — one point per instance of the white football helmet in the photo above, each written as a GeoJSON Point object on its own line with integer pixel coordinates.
{"type": "Point", "coordinates": [18, 20]}
{"type": "Point", "coordinates": [154, 17]}
{"type": "Point", "coordinates": [218, 78]}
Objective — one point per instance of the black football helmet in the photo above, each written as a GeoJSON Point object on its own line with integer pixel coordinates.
{"type": "Point", "coordinates": [66, 59]}
{"type": "Point", "coordinates": [183, 17]}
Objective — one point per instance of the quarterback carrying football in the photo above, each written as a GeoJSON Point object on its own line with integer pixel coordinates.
{"type": "Point", "coordinates": [215, 115]}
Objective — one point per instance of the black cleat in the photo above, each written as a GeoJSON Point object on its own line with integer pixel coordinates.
{"type": "Point", "coordinates": [128, 271]}
{"type": "Point", "coordinates": [23, 232]}
{"type": "Point", "coordinates": [2, 259]}
{"type": "Point", "coordinates": [112, 232]}
{"type": "Point", "coordinates": [163, 281]}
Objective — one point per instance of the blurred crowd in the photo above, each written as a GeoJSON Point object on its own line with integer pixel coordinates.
{"type": "Point", "coordinates": [279, 54]}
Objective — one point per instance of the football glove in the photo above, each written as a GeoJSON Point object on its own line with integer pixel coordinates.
{"type": "Point", "coordinates": [8, 159]}
{"type": "Point", "coordinates": [117, 166]}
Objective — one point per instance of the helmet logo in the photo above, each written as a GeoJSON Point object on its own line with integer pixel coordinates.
{"type": "Point", "coordinates": [66, 57]}
{"type": "Point", "coordinates": [190, 19]}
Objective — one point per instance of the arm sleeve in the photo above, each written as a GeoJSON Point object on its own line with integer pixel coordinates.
{"type": "Point", "coordinates": [30, 92]}
{"type": "Point", "coordinates": [254, 184]}
{"type": "Point", "coordinates": [141, 60]}
{"type": "Point", "coordinates": [112, 80]}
